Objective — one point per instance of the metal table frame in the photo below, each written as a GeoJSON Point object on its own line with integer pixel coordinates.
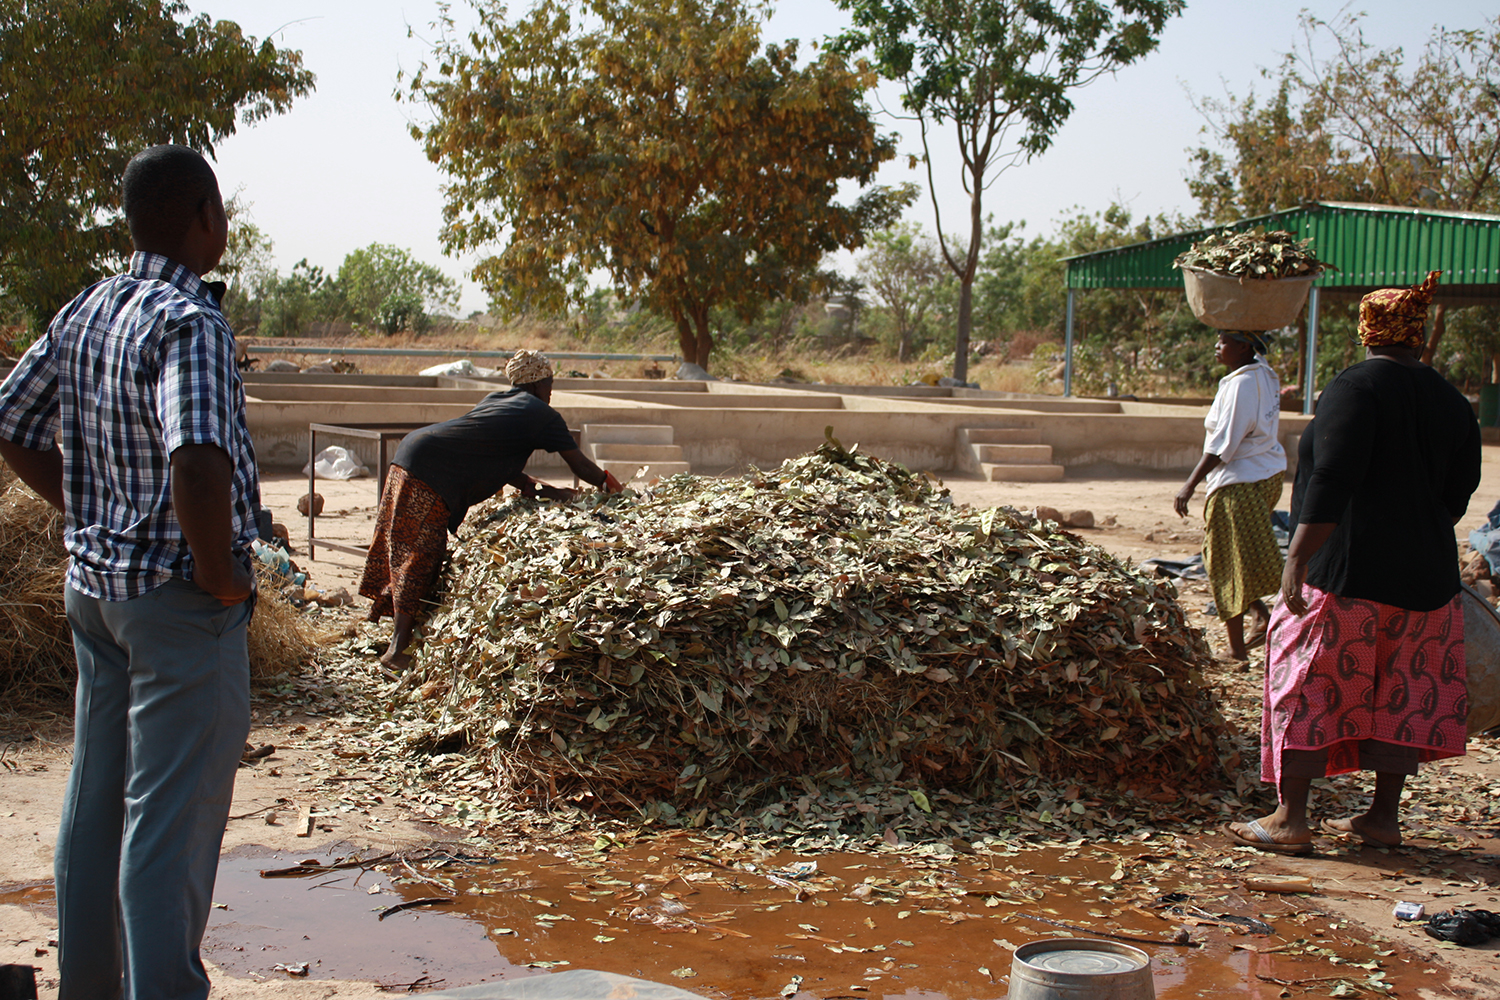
{"type": "Point", "coordinates": [383, 433]}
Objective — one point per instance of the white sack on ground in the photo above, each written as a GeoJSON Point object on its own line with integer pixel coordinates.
{"type": "Point", "coordinates": [334, 462]}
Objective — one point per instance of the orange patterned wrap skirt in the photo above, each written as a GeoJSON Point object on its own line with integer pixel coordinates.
{"type": "Point", "coordinates": [410, 544]}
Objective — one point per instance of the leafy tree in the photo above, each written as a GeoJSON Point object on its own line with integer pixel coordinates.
{"type": "Point", "coordinates": [286, 304]}
{"type": "Point", "coordinates": [905, 271]}
{"type": "Point", "coordinates": [1018, 285]}
{"type": "Point", "coordinates": [987, 67]}
{"type": "Point", "coordinates": [86, 84]}
{"type": "Point", "coordinates": [1362, 125]}
{"type": "Point", "coordinates": [1282, 157]}
{"type": "Point", "coordinates": [246, 267]}
{"type": "Point", "coordinates": [653, 141]}
{"type": "Point", "coordinates": [1471, 355]}
{"type": "Point", "coordinates": [1137, 339]}
{"type": "Point", "coordinates": [386, 285]}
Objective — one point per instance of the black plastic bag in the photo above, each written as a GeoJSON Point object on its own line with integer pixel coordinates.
{"type": "Point", "coordinates": [1464, 926]}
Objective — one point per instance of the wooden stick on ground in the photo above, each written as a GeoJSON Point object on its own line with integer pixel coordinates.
{"type": "Point", "coordinates": [427, 901]}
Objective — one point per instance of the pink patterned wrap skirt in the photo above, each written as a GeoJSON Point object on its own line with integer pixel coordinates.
{"type": "Point", "coordinates": [1352, 670]}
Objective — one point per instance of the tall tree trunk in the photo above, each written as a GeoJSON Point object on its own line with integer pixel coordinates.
{"type": "Point", "coordinates": [705, 339]}
{"type": "Point", "coordinates": [966, 276]}
{"type": "Point", "coordinates": [1439, 326]}
{"type": "Point", "coordinates": [965, 324]}
{"type": "Point", "coordinates": [687, 341]}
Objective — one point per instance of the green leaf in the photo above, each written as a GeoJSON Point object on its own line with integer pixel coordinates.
{"type": "Point", "coordinates": [711, 700]}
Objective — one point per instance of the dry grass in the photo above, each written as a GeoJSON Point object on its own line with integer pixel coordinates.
{"type": "Point", "coordinates": [832, 368]}
{"type": "Point", "coordinates": [36, 647]}
{"type": "Point", "coordinates": [460, 340]}
{"type": "Point", "coordinates": [991, 374]}
{"type": "Point", "coordinates": [282, 640]}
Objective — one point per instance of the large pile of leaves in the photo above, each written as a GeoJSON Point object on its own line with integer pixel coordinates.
{"type": "Point", "coordinates": [838, 619]}
{"type": "Point", "coordinates": [1253, 253]}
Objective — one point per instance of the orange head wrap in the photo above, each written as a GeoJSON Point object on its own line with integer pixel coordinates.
{"type": "Point", "coordinates": [1395, 316]}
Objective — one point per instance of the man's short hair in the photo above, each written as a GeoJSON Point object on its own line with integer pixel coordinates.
{"type": "Point", "coordinates": [163, 189]}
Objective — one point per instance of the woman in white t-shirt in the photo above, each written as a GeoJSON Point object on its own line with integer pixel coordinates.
{"type": "Point", "coordinates": [1243, 465]}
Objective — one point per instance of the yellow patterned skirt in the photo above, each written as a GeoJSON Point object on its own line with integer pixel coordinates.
{"type": "Point", "coordinates": [1239, 549]}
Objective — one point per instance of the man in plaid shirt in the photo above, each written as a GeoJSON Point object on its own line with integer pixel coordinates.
{"type": "Point", "coordinates": [156, 478]}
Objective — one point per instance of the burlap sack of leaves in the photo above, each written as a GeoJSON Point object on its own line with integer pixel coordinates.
{"type": "Point", "coordinates": [838, 618]}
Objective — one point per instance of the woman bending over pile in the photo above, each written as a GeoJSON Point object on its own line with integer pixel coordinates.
{"type": "Point", "coordinates": [440, 471]}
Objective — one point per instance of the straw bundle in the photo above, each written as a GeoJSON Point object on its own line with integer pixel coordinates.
{"type": "Point", "coordinates": [36, 646]}
{"type": "Point", "coordinates": [282, 640]}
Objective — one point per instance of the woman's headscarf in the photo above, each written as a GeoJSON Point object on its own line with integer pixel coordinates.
{"type": "Point", "coordinates": [527, 367]}
{"type": "Point", "coordinates": [1396, 316]}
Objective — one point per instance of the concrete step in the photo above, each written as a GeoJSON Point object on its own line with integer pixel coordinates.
{"type": "Point", "coordinates": [1006, 473]}
{"type": "Point", "coordinates": [625, 470]}
{"type": "Point", "coordinates": [636, 452]}
{"type": "Point", "coordinates": [627, 433]}
{"type": "Point", "coordinates": [1014, 454]}
{"type": "Point", "coordinates": [1002, 435]}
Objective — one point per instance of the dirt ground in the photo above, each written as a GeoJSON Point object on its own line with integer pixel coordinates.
{"type": "Point", "coordinates": [294, 790]}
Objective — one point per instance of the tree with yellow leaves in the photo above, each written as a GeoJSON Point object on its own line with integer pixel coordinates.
{"type": "Point", "coordinates": [655, 141]}
{"type": "Point", "coordinates": [84, 86]}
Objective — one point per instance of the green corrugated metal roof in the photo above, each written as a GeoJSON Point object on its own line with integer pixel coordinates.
{"type": "Point", "coordinates": [1373, 246]}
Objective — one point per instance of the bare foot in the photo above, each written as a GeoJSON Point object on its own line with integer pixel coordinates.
{"type": "Point", "coordinates": [1257, 636]}
{"type": "Point", "coordinates": [1366, 830]}
{"type": "Point", "coordinates": [396, 660]}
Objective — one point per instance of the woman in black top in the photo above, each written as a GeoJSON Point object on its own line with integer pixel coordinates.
{"type": "Point", "coordinates": [442, 470]}
{"type": "Point", "coordinates": [1366, 666]}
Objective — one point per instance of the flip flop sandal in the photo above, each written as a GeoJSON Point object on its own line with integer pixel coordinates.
{"type": "Point", "coordinates": [1261, 840]}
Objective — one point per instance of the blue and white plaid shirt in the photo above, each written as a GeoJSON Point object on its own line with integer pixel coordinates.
{"type": "Point", "coordinates": [134, 368]}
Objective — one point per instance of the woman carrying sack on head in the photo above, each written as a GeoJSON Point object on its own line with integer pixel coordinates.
{"type": "Point", "coordinates": [1243, 465]}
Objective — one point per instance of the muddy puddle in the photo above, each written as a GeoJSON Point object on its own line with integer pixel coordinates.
{"type": "Point", "coordinates": [825, 926]}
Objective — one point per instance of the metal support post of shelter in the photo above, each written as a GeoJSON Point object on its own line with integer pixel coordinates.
{"type": "Point", "coordinates": [1310, 380]}
{"type": "Point", "coordinates": [1068, 348]}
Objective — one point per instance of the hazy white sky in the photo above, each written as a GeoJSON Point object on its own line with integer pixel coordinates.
{"type": "Point", "coordinates": [341, 171]}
